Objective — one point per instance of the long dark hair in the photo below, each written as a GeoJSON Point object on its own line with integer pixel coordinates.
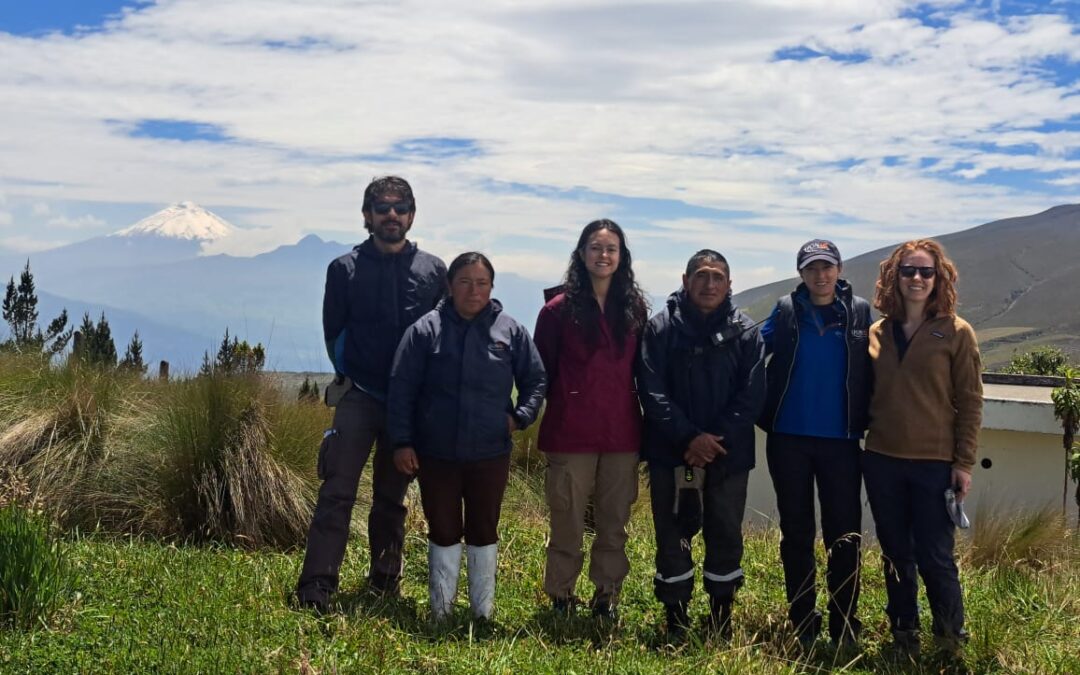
{"type": "Point", "coordinates": [625, 296]}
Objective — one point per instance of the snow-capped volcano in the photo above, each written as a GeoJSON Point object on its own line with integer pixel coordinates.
{"type": "Point", "coordinates": [185, 220]}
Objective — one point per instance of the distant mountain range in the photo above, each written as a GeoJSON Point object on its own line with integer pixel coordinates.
{"type": "Point", "coordinates": [150, 277]}
{"type": "Point", "coordinates": [1019, 282]}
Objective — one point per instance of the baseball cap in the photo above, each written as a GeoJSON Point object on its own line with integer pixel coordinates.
{"type": "Point", "coordinates": [817, 249]}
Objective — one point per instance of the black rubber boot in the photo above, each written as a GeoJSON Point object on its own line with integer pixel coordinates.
{"type": "Point", "coordinates": [678, 622]}
{"type": "Point", "coordinates": [720, 618]}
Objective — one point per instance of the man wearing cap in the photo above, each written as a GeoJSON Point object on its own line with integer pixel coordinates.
{"type": "Point", "coordinates": [819, 381]}
{"type": "Point", "coordinates": [373, 293]}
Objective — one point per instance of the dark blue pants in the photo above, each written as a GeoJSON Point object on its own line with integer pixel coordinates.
{"type": "Point", "coordinates": [915, 532]}
{"type": "Point", "coordinates": [795, 464]}
{"type": "Point", "coordinates": [721, 514]}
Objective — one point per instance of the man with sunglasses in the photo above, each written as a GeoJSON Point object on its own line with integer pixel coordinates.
{"type": "Point", "coordinates": [373, 293]}
{"type": "Point", "coordinates": [819, 383]}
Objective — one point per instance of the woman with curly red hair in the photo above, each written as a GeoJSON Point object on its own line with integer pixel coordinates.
{"type": "Point", "coordinates": [925, 415]}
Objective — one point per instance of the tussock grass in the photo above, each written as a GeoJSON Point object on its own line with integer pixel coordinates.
{"type": "Point", "coordinates": [35, 577]}
{"type": "Point", "coordinates": [1004, 536]}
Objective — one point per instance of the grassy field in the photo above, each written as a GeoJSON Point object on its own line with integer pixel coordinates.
{"type": "Point", "coordinates": [144, 606]}
{"type": "Point", "coordinates": [180, 507]}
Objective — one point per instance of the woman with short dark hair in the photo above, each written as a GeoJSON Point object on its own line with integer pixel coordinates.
{"type": "Point", "coordinates": [450, 417]}
{"type": "Point", "coordinates": [925, 415]}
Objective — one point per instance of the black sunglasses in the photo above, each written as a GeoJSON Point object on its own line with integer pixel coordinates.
{"type": "Point", "coordinates": [909, 271]}
{"type": "Point", "coordinates": [401, 208]}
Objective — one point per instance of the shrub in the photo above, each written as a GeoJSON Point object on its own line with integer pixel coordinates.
{"type": "Point", "coordinates": [1038, 361]}
{"type": "Point", "coordinates": [35, 577]}
{"type": "Point", "coordinates": [222, 459]}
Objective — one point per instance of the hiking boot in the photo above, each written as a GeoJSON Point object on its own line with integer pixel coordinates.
{"type": "Point", "coordinates": [381, 584]}
{"type": "Point", "coordinates": [564, 607]}
{"type": "Point", "coordinates": [906, 643]}
{"type": "Point", "coordinates": [951, 646]}
{"type": "Point", "coordinates": [603, 608]}
{"type": "Point", "coordinates": [720, 618]}
{"type": "Point", "coordinates": [678, 622]}
{"type": "Point", "coordinates": [313, 598]}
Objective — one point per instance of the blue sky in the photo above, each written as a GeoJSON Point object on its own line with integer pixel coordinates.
{"type": "Point", "coordinates": [747, 126]}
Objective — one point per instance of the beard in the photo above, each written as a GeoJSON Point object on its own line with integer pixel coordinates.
{"type": "Point", "coordinates": [385, 235]}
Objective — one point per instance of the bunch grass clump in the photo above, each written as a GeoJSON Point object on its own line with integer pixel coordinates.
{"type": "Point", "coordinates": [35, 576]}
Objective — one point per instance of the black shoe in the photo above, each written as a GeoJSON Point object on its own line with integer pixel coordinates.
{"type": "Point", "coordinates": [565, 606]}
{"type": "Point", "coordinates": [678, 622]}
{"type": "Point", "coordinates": [384, 585]}
{"type": "Point", "coordinates": [603, 608]}
{"type": "Point", "coordinates": [906, 643]}
{"type": "Point", "coordinates": [315, 599]}
{"type": "Point", "coordinates": [720, 618]}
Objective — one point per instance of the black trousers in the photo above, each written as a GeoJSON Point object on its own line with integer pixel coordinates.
{"type": "Point", "coordinates": [723, 505]}
{"type": "Point", "coordinates": [463, 499]}
{"type": "Point", "coordinates": [359, 423]}
{"type": "Point", "coordinates": [796, 463]}
{"type": "Point", "coordinates": [915, 532]}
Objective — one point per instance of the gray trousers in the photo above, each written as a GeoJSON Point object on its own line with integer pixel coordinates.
{"type": "Point", "coordinates": [359, 423]}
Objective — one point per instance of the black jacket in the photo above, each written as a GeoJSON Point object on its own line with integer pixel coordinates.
{"type": "Point", "coordinates": [691, 381]}
{"type": "Point", "coordinates": [370, 299]}
{"type": "Point", "coordinates": [785, 342]}
{"type": "Point", "coordinates": [452, 379]}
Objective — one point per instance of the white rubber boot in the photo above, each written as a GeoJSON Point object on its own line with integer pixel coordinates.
{"type": "Point", "coordinates": [444, 563]}
{"type": "Point", "coordinates": [482, 561]}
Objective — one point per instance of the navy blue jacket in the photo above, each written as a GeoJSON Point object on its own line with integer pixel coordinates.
{"type": "Point", "coordinates": [782, 341]}
{"type": "Point", "coordinates": [451, 384]}
{"type": "Point", "coordinates": [691, 382]}
{"type": "Point", "coordinates": [370, 299]}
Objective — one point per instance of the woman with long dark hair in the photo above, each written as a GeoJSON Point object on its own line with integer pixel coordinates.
{"type": "Point", "coordinates": [925, 415]}
{"type": "Point", "coordinates": [587, 336]}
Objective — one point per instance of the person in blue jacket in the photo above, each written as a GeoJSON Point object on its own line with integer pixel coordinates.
{"type": "Point", "coordinates": [702, 384]}
{"type": "Point", "coordinates": [819, 385]}
{"type": "Point", "coordinates": [450, 416]}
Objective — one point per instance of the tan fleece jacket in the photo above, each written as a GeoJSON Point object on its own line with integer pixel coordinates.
{"type": "Point", "coordinates": [928, 406]}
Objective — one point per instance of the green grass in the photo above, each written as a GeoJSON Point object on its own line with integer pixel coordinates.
{"type": "Point", "coordinates": [147, 606]}
{"type": "Point", "coordinates": [35, 578]}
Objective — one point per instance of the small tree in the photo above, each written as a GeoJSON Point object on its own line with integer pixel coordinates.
{"type": "Point", "coordinates": [309, 390]}
{"type": "Point", "coordinates": [1039, 361]}
{"type": "Point", "coordinates": [97, 346]}
{"type": "Point", "coordinates": [234, 356]}
{"type": "Point", "coordinates": [1066, 400]}
{"type": "Point", "coordinates": [20, 313]}
{"type": "Point", "coordinates": [133, 357]}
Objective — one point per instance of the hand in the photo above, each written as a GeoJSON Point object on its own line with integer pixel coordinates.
{"type": "Point", "coordinates": [405, 460]}
{"type": "Point", "coordinates": [703, 449]}
{"type": "Point", "coordinates": [511, 423]}
{"type": "Point", "coordinates": [961, 481]}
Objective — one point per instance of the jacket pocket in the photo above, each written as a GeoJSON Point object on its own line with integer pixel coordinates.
{"type": "Point", "coordinates": [322, 463]}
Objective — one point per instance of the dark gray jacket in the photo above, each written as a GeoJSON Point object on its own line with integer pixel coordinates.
{"type": "Point", "coordinates": [370, 299]}
{"type": "Point", "coordinates": [692, 381]}
{"type": "Point", "coordinates": [452, 380]}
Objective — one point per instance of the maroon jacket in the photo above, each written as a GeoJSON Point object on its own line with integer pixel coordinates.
{"type": "Point", "coordinates": [592, 403]}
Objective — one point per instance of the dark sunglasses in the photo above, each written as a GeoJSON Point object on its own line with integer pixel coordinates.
{"type": "Point", "coordinates": [909, 271]}
{"type": "Point", "coordinates": [401, 208]}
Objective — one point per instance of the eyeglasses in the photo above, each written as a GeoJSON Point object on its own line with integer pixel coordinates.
{"type": "Point", "coordinates": [401, 208]}
{"type": "Point", "coordinates": [909, 272]}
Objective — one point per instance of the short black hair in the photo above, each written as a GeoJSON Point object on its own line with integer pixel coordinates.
{"type": "Point", "coordinates": [385, 185]}
{"type": "Point", "coordinates": [703, 256]}
{"type": "Point", "coordinates": [469, 258]}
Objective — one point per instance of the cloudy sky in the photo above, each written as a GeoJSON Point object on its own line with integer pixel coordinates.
{"type": "Point", "coordinates": [747, 126]}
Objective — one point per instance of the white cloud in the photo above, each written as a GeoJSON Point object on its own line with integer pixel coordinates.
{"type": "Point", "coordinates": [672, 101]}
{"type": "Point", "coordinates": [83, 222]}
{"type": "Point", "coordinates": [40, 209]}
{"type": "Point", "coordinates": [6, 219]}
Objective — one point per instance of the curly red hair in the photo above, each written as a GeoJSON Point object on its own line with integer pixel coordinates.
{"type": "Point", "coordinates": [942, 302]}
